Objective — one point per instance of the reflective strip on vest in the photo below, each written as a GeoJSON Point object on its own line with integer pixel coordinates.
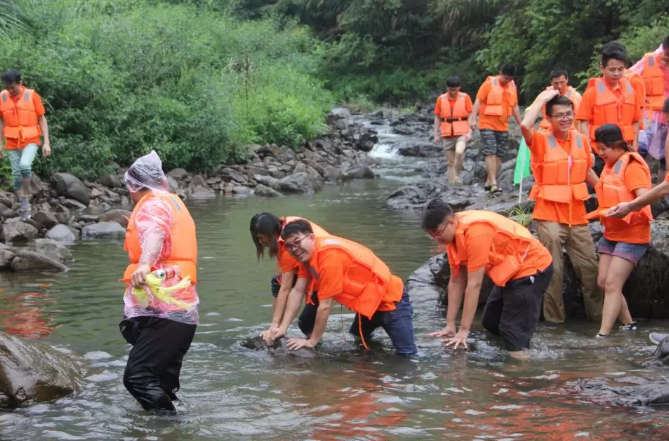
{"type": "Point", "coordinates": [651, 61]}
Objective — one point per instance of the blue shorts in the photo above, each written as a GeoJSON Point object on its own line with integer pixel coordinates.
{"type": "Point", "coordinates": [632, 252]}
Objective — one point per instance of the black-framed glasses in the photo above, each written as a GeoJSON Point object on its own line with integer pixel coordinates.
{"type": "Point", "coordinates": [563, 116]}
{"type": "Point", "coordinates": [295, 245]}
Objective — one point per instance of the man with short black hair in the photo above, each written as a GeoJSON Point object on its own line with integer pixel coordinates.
{"type": "Point", "coordinates": [483, 242]}
{"type": "Point", "coordinates": [559, 79]}
{"type": "Point", "coordinates": [355, 277]}
{"type": "Point", "coordinates": [496, 101]}
{"type": "Point", "coordinates": [452, 128]}
{"type": "Point", "coordinates": [22, 124]}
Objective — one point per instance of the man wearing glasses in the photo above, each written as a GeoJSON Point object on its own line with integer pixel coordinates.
{"type": "Point", "coordinates": [483, 242]}
{"type": "Point", "coordinates": [352, 275]}
{"type": "Point", "coordinates": [562, 163]}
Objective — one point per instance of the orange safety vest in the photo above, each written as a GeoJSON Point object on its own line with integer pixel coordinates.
{"type": "Point", "coordinates": [364, 283]}
{"type": "Point", "coordinates": [609, 109]}
{"type": "Point", "coordinates": [495, 97]}
{"type": "Point", "coordinates": [572, 95]}
{"type": "Point", "coordinates": [19, 118]}
{"type": "Point", "coordinates": [318, 232]}
{"type": "Point", "coordinates": [182, 236]}
{"type": "Point", "coordinates": [560, 177]}
{"type": "Point", "coordinates": [454, 124]}
{"type": "Point", "coordinates": [611, 189]}
{"type": "Point", "coordinates": [501, 268]}
{"type": "Point", "coordinates": [653, 79]}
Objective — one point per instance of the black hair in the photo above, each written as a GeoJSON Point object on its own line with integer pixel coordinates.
{"type": "Point", "coordinates": [614, 50]}
{"type": "Point", "coordinates": [434, 213]}
{"type": "Point", "coordinates": [556, 73]}
{"type": "Point", "coordinates": [665, 43]}
{"type": "Point", "coordinates": [453, 81]}
{"type": "Point", "coordinates": [11, 76]}
{"type": "Point", "coordinates": [559, 100]}
{"type": "Point", "coordinates": [296, 227]}
{"type": "Point", "coordinates": [665, 106]}
{"type": "Point", "coordinates": [618, 144]}
{"type": "Point", "coordinates": [508, 69]}
{"type": "Point", "coordinates": [266, 224]}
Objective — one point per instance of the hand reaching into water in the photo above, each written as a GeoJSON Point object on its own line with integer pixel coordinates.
{"type": "Point", "coordinates": [460, 339]}
{"type": "Point", "coordinates": [448, 331]}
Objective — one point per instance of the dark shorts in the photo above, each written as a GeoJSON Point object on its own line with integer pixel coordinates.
{"type": "Point", "coordinates": [494, 142]}
{"type": "Point", "coordinates": [632, 252]}
{"type": "Point", "coordinates": [513, 311]}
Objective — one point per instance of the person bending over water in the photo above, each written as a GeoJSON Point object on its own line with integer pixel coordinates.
{"type": "Point", "coordinates": [352, 275]}
{"type": "Point", "coordinates": [266, 234]}
{"type": "Point", "coordinates": [483, 242]}
{"type": "Point", "coordinates": [626, 240]}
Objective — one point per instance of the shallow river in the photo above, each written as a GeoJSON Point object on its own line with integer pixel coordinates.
{"type": "Point", "coordinates": [232, 393]}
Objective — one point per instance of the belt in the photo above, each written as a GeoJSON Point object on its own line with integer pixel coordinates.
{"type": "Point", "coordinates": [450, 120]}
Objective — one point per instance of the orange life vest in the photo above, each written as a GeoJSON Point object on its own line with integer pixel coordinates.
{"type": "Point", "coordinates": [19, 118]}
{"type": "Point", "coordinates": [501, 268]}
{"type": "Point", "coordinates": [609, 109]}
{"type": "Point", "coordinates": [653, 78]}
{"type": "Point", "coordinates": [611, 189]}
{"type": "Point", "coordinates": [560, 176]}
{"type": "Point", "coordinates": [364, 283]}
{"type": "Point", "coordinates": [454, 124]}
{"type": "Point", "coordinates": [496, 95]}
{"type": "Point", "coordinates": [182, 236]}
{"type": "Point", "coordinates": [575, 98]}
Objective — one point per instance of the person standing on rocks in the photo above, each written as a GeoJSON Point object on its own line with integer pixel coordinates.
{"type": "Point", "coordinates": [562, 164]}
{"type": "Point", "coordinates": [352, 275]}
{"type": "Point", "coordinates": [559, 79]}
{"type": "Point", "coordinates": [625, 176]}
{"type": "Point", "coordinates": [482, 243]}
{"type": "Point", "coordinates": [266, 234]}
{"type": "Point", "coordinates": [23, 122]}
{"type": "Point", "coordinates": [452, 126]}
{"type": "Point", "coordinates": [161, 327]}
{"type": "Point", "coordinates": [496, 101]}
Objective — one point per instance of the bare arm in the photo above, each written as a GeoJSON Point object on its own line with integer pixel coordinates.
{"type": "Point", "coordinates": [635, 143]}
{"type": "Point", "coordinates": [472, 292]}
{"type": "Point", "coordinates": [584, 127]}
{"type": "Point", "coordinates": [437, 133]}
{"type": "Point", "coordinates": [591, 177]}
{"type": "Point", "coordinates": [516, 114]}
{"type": "Point", "coordinates": [533, 113]}
{"type": "Point", "coordinates": [322, 315]}
{"type": "Point", "coordinates": [647, 198]}
{"type": "Point", "coordinates": [294, 302]}
{"type": "Point", "coordinates": [456, 289]}
{"type": "Point", "coordinates": [475, 114]}
{"type": "Point", "coordinates": [281, 299]}
{"type": "Point", "coordinates": [45, 129]}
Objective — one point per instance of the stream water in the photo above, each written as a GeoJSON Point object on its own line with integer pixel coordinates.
{"type": "Point", "coordinates": [232, 393]}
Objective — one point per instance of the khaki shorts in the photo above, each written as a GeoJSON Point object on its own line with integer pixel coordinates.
{"type": "Point", "coordinates": [450, 142]}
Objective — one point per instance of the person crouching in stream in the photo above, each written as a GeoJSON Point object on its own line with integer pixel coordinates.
{"type": "Point", "coordinates": [266, 234]}
{"type": "Point", "coordinates": [160, 321]}
{"type": "Point", "coordinates": [352, 275]}
{"type": "Point", "coordinates": [625, 177]}
{"type": "Point", "coordinates": [482, 243]}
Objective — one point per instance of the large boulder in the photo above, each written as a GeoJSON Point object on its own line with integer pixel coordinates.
{"type": "Point", "coordinates": [6, 256]}
{"type": "Point", "coordinates": [623, 391]}
{"type": "Point", "coordinates": [61, 233]}
{"type": "Point", "coordinates": [46, 218]}
{"type": "Point", "coordinates": [33, 372]}
{"type": "Point", "coordinates": [278, 348]}
{"type": "Point", "coordinates": [358, 172]}
{"type": "Point", "coordinates": [103, 230]}
{"type": "Point", "coordinates": [52, 249]}
{"type": "Point", "coordinates": [71, 187]}
{"type": "Point", "coordinates": [117, 215]}
{"type": "Point", "coordinates": [298, 183]}
{"type": "Point", "coordinates": [267, 192]}
{"type": "Point", "coordinates": [177, 173]}
{"type": "Point", "coordinates": [111, 181]}
{"type": "Point", "coordinates": [14, 230]}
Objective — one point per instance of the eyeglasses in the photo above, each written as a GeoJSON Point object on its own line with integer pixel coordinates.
{"type": "Point", "coordinates": [563, 116]}
{"type": "Point", "coordinates": [436, 235]}
{"type": "Point", "coordinates": [296, 244]}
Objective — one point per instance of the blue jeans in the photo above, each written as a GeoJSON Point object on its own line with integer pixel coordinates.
{"type": "Point", "coordinates": [21, 162]}
{"type": "Point", "coordinates": [398, 324]}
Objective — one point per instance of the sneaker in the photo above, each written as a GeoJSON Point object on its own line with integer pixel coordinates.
{"type": "Point", "coordinates": [24, 209]}
{"type": "Point", "coordinates": [630, 327]}
{"type": "Point", "coordinates": [656, 337]}
{"type": "Point", "coordinates": [601, 335]}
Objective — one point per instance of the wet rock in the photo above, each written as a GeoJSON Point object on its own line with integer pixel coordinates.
{"type": "Point", "coordinates": [61, 233]}
{"type": "Point", "coordinates": [111, 181]}
{"type": "Point", "coordinates": [407, 197]}
{"type": "Point", "coordinates": [358, 172]}
{"type": "Point", "coordinates": [298, 183]}
{"type": "Point", "coordinates": [6, 256]}
{"type": "Point", "coordinates": [73, 205]}
{"type": "Point", "coordinates": [202, 194]}
{"type": "Point", "coordinates": [265, 180]}
{"type": "Point", "coordinates": [332, 174]}
{"type": "Point", "coordinates": [229, 174]}
{"type": "Point", "coordinates": [88, 218]}
{"type": "Point", "coordinates": [103, 230]}
{"type": "Point", "coordinates": [46, 218]}
{"type": "Point", "coordinates": [640, 392]}
{"type": "Point", "coordinates": [71, 187]}
{"type": "Point", "coordinates": [52, 248]}
{"type": "Point", "coordinates": [662, 351]}
{"type": "Point", "coordinates": [32, 372]}
{"type": "Point", "coordinates": [62, 214]}
{"type": "Point", "coordinates": [16, 231]}
{"type": "Point", "coordinates": [178, 173]}
{"type": "Point", "coordinates": [117, 215]}
{"type": "Point", "coordinates": [420, 149]}
{"type": "Point", "coordinates": [7, 213]}
{"type": "Point", "coordinates": [173, 184]}
{"type": "Point", "coordinates": [240, 190]}
{"type": "Point", "coordinates": [316, 166]}
{"type": "Point", "coordinates": [277, 349]}
{"type": "Point", "coordinates": [267, 192]}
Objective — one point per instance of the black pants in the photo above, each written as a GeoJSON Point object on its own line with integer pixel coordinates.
{"type": "Point", "coordinates": [154, 364]}
{"type": "Point", "coordinates": [307, 318]}
{"type": "Point", "coordinates": [513, 311]}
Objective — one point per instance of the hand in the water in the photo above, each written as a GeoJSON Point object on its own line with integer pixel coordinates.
{"type": "Point", "coordinates": [294, 344]}
{"type": "Point", "coordinates": [460, 339]}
